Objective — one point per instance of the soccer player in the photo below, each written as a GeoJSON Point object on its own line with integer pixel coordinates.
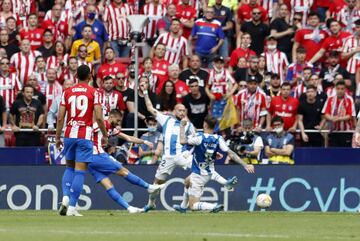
{"type": "Point", "coordinates": [207, 144]}
{"type": "Point", "coordinates": [80, 102]}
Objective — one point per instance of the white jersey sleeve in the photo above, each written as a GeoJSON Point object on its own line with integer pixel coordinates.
{"type": "Point", "coordinates": [222, 145]}
{"type": "Point", "coordinates": [259, 142]}
{"type": "Point", "coordinates": [161, 118]}
{"type": "Point", "coordinates": [194, 140]}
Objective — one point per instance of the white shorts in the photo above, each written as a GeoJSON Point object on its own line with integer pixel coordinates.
{"type": "Point", "coordinates": [167, 165]}
{"type": "Point", "coordinates": [197, 184]}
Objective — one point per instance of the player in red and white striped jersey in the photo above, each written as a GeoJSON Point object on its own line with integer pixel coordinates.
{"type": "Point", "coordinates": [81, 105]}
{"type": "Point", "coordinates": [9, 83]}
{"type": "Point", "coordinates": [110, 99]}
{"type": "Point", "coordinates": [116, 25]}
{"type": "Point", "coordinates": [351, 49]}
{"type": "Point", "coordinates": [24, 61]}
{"type": "Point", "coordinates": [32, 32]}
{"type": "Point", "coordinates": [251, 103]}
{"type": "Point", "coordinates": [300, 6]}
{"type": "Point", "coordinates": [52, 88]}
{"type": "Point", "coordinates": [348, 15]}
{"type": "Point", "coordinates": [176, 45]}
{"type": "Point", "coordinates": [276, 61]}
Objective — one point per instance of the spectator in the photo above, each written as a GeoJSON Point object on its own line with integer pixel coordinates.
{"type": "Point", "coordinates": [275, 61]}
{"type": "Point", "coordinates": [70, 73]}
{"type": "Point", "coordinates": [244, 74]}
{"type": "Point", "coordinates": [167, 98]}
{"type": "Point", "coordinates": [128, 98]}
{"type": "Point", "coordinates": [3, 120]}
{"type": "Point", "coordinates": [220, 86]}
{"type": "Point", "coordinates": [300, 88]}
{"type": "Point", "coordinates": [315, 81]}
{"type": "Point", "coordinates": [99, 33]}
{"type": "Point", "coordinates": [22, 9]}
{"type": "Point", "coordinates": [6, 7]}
{"type": "Point", "coordinates": [196, 103]}
{"type": "Point", "coordinates": [147, 71]}
{"type": "Point", "coordinates": [339, 111]}
{"type": "Point", "coordinates": [40, 72]}
{"type": "Point", "coordinates": [14, 37]}
{"type": "Point", "coordinates": [116, 24]}
{"type": "Point", "coordinates": [109, 67]}
{"type": "Point", "coordinates": [332, 43]}
{"type": "Point", "coordinates": [251, 104]}
{"type": "Point", "coordinates": [59, 60]}
{"type": "Point", "coordinates": [295, 71]}
{"type": "Point", "coordinates": [10, 48]}
{"type": "Point", "coordinates": [245, 10]}
{"type": "Point", "coordinates": [241, 52]}
{"type": "Point", "coordinates": [55, 105]}
{"type": "Point", "coordinates": [282, 31]}
{"type": "Point", "coordinates": [303, 8]}
{"type": "Point", "coordinates": [224, 16]}
{"type": "Point", "coordinates": [52, 87]}
{"type": "Point", "coordinates": [258, 31]}
{"type": "Point", "coordinates": [327, 74]}
{"type": "Point", "coordinates": [160, 66]}
{"type": "Point", "coordinates": [331, 91]}
{"type": "Point", "coordinates": [110, 98]}
{"type": "Point", "coordinates": [142, 110]}
{"type": "Point", "coordinates": [176, 45]}
{"type": "Point", "coordinates": [164, 23]}
{"type": "Point", "coordinates": [311, 44]}
{"type": "Point", "coordinates": [195, 71]}
{"type": "Point", "coordinates": [209, 37]}
{"type": "Point", "coordinates": [27, 113]}
{"type": "Point", "coordinates": [147, 155]}
{"type": "Point", "coordinates": [38, 95]}
{"type": "Point", "coordinates": [187, 14]}
{"type": "Point", "coordinates": [348, 15]}
{"type": "Point", "coordinates": [309, 117]}
{"type": "Point", "coordinates": [82, 55]}
{"type": "Point", "coordinates": [47, 48]}
{"type": "Point", "coordinates": [284, 106]}
{"type": "Point", "coordinates": [92, 47]}
{"type": "Point", "coordinates": [9, 83]}
{"type": "Point", "coordinates": [33, 32]}
{"type": "Point", "coordinates": [279, 146]}
{"type": "Point", "coordinates": [274, 88]}
{"type": "Point", "coordinates": [181, 88]}
{"type": "Point", "coordinates": [351, 51]}
{"type": "Point", "coordinates": [155, 10]}
{"type": "Point", "coordinates": [24, 61]}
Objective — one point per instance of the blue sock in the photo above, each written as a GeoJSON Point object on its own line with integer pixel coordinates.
{"type": "Point", "coordinates": [67, 180]}
{"type": "Point", "coordinates": [133, 179]}
{"type": "Point", "coordinates": [117, 197]}
{"type": "Point", "coordinates": [76, 187]}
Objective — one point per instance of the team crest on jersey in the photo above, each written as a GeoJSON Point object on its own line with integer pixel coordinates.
{"type": "Point", "coordinates": [96, 29]}
{"type": "Point", "coordinates": [187, 14]}
{"type": "Point", "coordinates": [223, 12]}
{"type": "Point", "coordinates": [38, 35]}
{"type": "Point", "coordinates": [115, 69]}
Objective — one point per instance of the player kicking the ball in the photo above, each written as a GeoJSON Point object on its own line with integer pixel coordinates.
{"type": "Point", "coordinates": [103, 164]}
{"type": "Point", "coordinates": [206, 144]}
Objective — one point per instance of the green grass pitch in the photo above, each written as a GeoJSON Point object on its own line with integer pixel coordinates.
{"type": "Point", "coordinates": [171, 226]}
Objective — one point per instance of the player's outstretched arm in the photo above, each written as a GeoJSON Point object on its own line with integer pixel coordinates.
{"type": "Point", "coordinates": [59, 125]}
{"type": "Point", "coordinates": [149, 105]}
{"type": "Point", "coordinates": [135, 140]}
{"type": "Point", "coordinates": [236, 158]}
{"type": "Point", "coordinates": [100, 121]}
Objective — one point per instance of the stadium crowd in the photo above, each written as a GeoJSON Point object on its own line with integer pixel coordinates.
{"type": "Point", "coordinates": [294, 59]}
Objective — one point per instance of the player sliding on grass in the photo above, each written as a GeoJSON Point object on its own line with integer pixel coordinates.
{"type": "Point", "coordinates": [207, 144]}
{"type": "Point", "coordinates": [103, 165]}
{"type": "Point", "coordinates": [175, 154]}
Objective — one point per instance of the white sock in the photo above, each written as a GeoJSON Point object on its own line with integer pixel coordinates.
{"type": "Point", "coordinates": [203, 206]}
{"type": "Point", "coordinates": [71, 209]}
{"type": "Point", "coordinates": [152, 198]}
{"type": "Point", "coordinates": [216, 177]}
{"type": "Point", "coordinates": [65, 201]}
{"type": "Point", "coordinates": [185, 202]}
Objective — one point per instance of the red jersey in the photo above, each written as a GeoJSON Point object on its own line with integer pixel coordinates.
{"type": "Point", "coordinates": [335, 7]}
{"type": "Point", "coordinates": [79, 101]}
{"type": "Point", "coordinates": [184, 13]}
{"type": "Point", "coordinates": [251, 105]}
{"type": "Point", "coordinates": [160, 69]}
{"type": "Point", "coordinates": [340, 107]}
{"type": "Point", "coordinates": [240, 53]}
{"type": "Point", "coordinates": [60, 29]}
{"type": "Point", "coordinates": [181, 90]}
{"type": "Point", "coordinates": [107, 69]}
{"type": "Point", "coordinates": [35, 36]}
{"type": "Point", "coordinates": [287, 109]}
{"type": "Point", "coordinates": [110, 101]}
{"type": "Point", "coordinates": [307, 38]}
{"type": "Point", "coordinates": [244, 13]}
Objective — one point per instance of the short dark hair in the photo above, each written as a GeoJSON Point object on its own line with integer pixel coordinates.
{"type": "Point", "coordinates": [308, 68]}
{"type": "Point", "coordinates": [277, 119]}
{"type": "Point", "coordinates": [311, 87]}
{"type": "Point", "coordinates": [357, 22]}
{"type": "Point", "coordinates": [32, 14]}
{"type": "Point", "coordinates": [210, 121]}
{"type": "Point", "coordinates": [86, 26]}
{"type": "Point", "coordinates": [83, 72]}
{"type": "Point", "coordinates": [340, 82]}
{"type": "Point", "coordinates": [175, 20]}
{"type": "Point", "coordinates": [301, 49]}
{"type": "Point", "coordinates": [116, 112]}
{"type": "Point", "coordinates": [70, 58]}
{"type": "Point", "coordinates": [193, 80]}
{"type": "Point", "coordinates": [106, 78]}
{"type": "Point", "coordinates": [47, 31]}
{"type": "Point", "coordinates": [109, 47]}
{"type": "Point", "coordinates": [28, 86]}
{"type": "Point", "coordinates": [286, 84]}
{"type": "Point", "coordinates": [39, 57]}
{"type": "Point", "coordinates": [313, 13]}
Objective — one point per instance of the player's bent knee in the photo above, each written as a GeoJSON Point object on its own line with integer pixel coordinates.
{"type": "Point", "coordinates": [123, 172]}
{"type": "Point", "coordinates": [106, 183]}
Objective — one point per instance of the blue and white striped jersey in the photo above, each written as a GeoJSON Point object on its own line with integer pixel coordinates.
{"type": "Point", "coordinates": [171, 134]}
{"type": "Point", "coordinates": [204, 155]}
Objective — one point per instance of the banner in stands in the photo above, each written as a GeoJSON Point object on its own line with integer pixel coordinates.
{"type": "Point", "coordinates": [292, 188]}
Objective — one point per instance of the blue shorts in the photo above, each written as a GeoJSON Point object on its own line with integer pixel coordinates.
{"type": "Point", "coordinates": [78, 150]}
{"type": "Point", "coordinates": [103, 165]}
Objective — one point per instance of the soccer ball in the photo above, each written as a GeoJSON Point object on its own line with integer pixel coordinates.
{"type": "Point", "coordinates": [263, 200]}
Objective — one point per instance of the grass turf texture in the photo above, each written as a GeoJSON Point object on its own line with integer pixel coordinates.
{"type": "Point", "coordinates": [171, 226]}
